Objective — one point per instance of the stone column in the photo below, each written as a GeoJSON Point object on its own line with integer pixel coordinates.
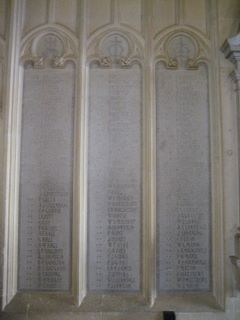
{"type": "Point", "coordinates": [231, 50]}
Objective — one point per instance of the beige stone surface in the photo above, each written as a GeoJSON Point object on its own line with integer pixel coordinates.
{"type": "Point", "coordinates": [229, 13]}
{"type": "Point", "coordinates": [147, 25]}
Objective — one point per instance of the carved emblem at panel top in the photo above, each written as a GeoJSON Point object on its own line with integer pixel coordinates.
{"type": "Point", "coordinates": [181, 52]}
{"type": "Point", "coordinates": [49, 49]}
{"type": "Point", "coordinates": [115, 50]}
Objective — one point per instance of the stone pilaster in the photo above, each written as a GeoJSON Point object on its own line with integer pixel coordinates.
{"type": "Point", "coordinates": [231, 50]}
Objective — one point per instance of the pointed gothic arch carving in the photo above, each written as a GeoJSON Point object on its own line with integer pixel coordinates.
{"type": "Point", "coordinates": [49, 45]}
{"type": "Point", "coordinates": [181, 48]}
{"type": "Point", "coordinates": [115, 47]}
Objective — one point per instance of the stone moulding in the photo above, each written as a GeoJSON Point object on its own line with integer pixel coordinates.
{"type": "Point", "coordinates": [115, 48]}
{"type": "Point", "coordinates": [231, 50]}
{"type": "Point", "coordinates": [181, 49]}
{"type": "Point", "coordinates": [49, 46]}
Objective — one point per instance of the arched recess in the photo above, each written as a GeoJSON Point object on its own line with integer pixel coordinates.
{"type": "Point", "coordinates": [65, 46]}
{"type": "Point", "coordinates": [196, 33]}
{"type": "Point", "coordinates": [134, 43]}
{"type": "Point", "coordinates": [189, 248]}
{"type": "Point", "coordinates": [49, 59]}
{"type": "Point", "coordinates": [114, 118]}
{"type": "Point", "coordinates": [46, 158]}
{"type": "Point", "coordinates": [200, 46]}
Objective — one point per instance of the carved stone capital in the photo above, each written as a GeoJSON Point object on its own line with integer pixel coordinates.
{"type": "Point", "coordinates": [38, 62]}
{"type": "Point", "coordinates": [235, 76]}
{"type": "Point", "coordinates": [238, 233]}
{"type": "Point", "coordinates": [231, 50]}
{"type": "Point", "coordinates": [59, 62]}
{"type": "Point", "coordinates": [192, 64]}
{"type": "Point", "coordinates": [172, 63]}
{"type": "Point", "coordinates": [236, 258]}
{"type": "Point", "coordinates": [106, 62]}
{"type": "Point", "coordinates": [235, 261]}
{"type": "Point", "coordinates": [125, 62]}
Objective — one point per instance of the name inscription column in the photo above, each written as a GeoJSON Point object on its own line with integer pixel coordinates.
{"type": "Point", "coordinates": [114, 175]}
{"type": "Point", "coordinates": [183, 172]}
{"type": "Point", "coordinates": [46, 172]}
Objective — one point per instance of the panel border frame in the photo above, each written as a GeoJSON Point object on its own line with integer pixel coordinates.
{"type": "Point", "coordinates": [215, 298]}
{"type": "Point", "coordinates": [20, 52]}
{"type": "Point", "coordinates": [104, 301]}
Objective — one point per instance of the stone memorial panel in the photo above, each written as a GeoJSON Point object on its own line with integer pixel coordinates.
{"type": "Point", "coordinates": [114, 179]}
{"type": "Point", "coordinates": [46, 179]}
{"type": "Point", "coordinates": [183, 180]}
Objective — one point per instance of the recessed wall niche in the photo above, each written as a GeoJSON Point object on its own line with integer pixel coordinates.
{"type": "Point", "coordinates": [114, 166]}
{"type": "Point", "coordinates": [46, 177]}
{"type": "Point", "coordinates": [183, 169]}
